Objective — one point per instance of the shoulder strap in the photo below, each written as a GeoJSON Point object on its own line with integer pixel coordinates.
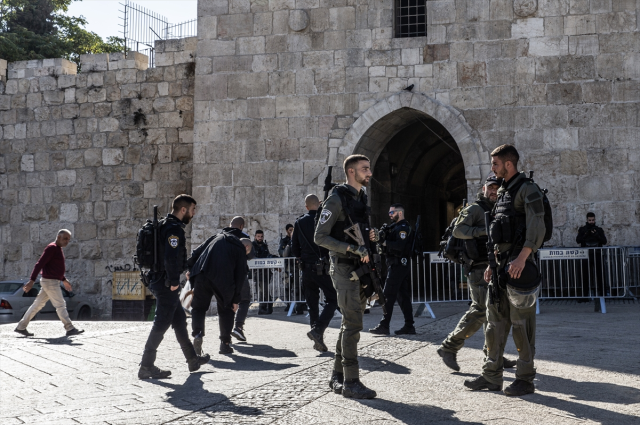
{"type": "Point", "coordinates": [309, 243]}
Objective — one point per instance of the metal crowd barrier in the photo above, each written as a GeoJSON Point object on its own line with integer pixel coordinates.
{"type": "Point", "coordinates": [436, 280]}
{"type": "Point", "coordinates": [607, 272]}
{"type": "Point", "coordinates": [276, 280]}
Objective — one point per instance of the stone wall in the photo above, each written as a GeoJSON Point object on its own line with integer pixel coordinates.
{"type": "Point", "coordinates": [92, 152]}
{"type": "Point", "coordinates": [282, 87]}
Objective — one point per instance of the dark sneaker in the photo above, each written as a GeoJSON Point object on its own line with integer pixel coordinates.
{"type": "Point", "coordinates": [196, 362]}
{"type": "Point", "coordinates": [508, 364]}
{"type": "Point", "coordinates": [353, 388]}
{"type": "Point", "coordinates": [480, 383]}
{"type": "Point", "coordinates": [197, 345]}
{"type": "Point", "coordinates": [336, 382]}
{"type": "Point", "coordinates": [225, 348]}
{"type": "Point", "coordinates": [238, 333]}
{"type": "Point", "coordinates": [406, 330]}
{"type": "Point", "coordinates": [519, 387]}
{"type": "Point", "coordinates": [153, 372]}
{"type": "Point", "coordinates": [318, 340]}
{"type": "Point", "coordinates": [74, 331]}
{"type": "Point", "coordinates": [380, 330]}
{"type": "Point", "coordinates": [23, 332]}
{"type": "Point", "coordinates": [449, 359]}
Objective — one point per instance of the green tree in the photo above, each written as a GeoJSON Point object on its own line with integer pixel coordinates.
{"type": "Point", "coordinates": [39, 29]}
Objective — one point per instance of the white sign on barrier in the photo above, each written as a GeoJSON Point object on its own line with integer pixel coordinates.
{"type": "Point", "coordinates": [564, 254]}
{"type": "Point", "coordinates": [435, 258]}
{"type": "Point", "coordinates": [266, 263]}
{"type": "Point", "coordinates": [633, 251]}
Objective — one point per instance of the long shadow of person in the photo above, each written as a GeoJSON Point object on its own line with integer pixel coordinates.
{"type": "Point", "coordinates": [249, 364]}
{"type": "Point", "coordinates": [414, 413]}
{"type": "Point", "coordinates": [192, 396]}
{"type": "Point", "coordinates": [370, 364]}
{"type": "Point", "coordinates": [61, 340]}
{"type": "Point", "coordinates": [262, 350]}
{"type": "Point", "coordinates": [602, 392]}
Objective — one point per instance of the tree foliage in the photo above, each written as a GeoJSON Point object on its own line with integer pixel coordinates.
{"type": "Point", "coordinates": [40, 29]}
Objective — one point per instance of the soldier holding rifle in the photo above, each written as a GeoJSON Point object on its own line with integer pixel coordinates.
{"type": "Point", "coordinates": [344, 215]}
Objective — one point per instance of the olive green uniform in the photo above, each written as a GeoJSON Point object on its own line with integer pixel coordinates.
{"type": "Point", "coordinates": [470, 225]}
{"type": "Point", "coordinates": [351, 298]}
{"type": "Point", "coordinates": [502, 315]}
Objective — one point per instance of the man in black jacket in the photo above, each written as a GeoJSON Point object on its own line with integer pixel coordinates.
{"type": "Point", "coordinates": [218, 267]}
{"type": "Point", "coordinates": [262, 277]}
{"type": "Point", "coordinates": [315, 275]}
{"type": "Point", "coordinates": [592, 236]}
{"type": "Point", "coordinates": [164, 285]}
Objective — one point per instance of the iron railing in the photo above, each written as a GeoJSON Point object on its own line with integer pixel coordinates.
{"type": "Point", "coordinates": [141, 27]}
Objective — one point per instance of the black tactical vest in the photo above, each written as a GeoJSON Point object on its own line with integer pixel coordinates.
{"type": "Point", "coordinates": [508, 226]}
{"type": "Point", "coordinates": [357, 211]}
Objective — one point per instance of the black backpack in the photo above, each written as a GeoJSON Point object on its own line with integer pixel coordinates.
{"type": "Point", "coordinates": [548, 213]}
{"type": "Point", "coordinates": [451, 247]}
{"type": "Point", "coordinates": [145, 255]}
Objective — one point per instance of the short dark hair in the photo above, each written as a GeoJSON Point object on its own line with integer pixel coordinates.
{"type": "Point", "coordinates": [183, 201]}
{"type": "Point", "coordinates": [288, 226]}
{"type": "Point", "coordinates": [590, 214]}
{"type": "Point", "coordinates": [507, 153]}
{"type": "Point", "coordinates": [352, 160]}
{"type": "Point", "coordinates": [259, 232]}
{"type": "Point", "coordinates": [397, 206]}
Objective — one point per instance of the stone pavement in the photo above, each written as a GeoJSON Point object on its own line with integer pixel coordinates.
{"type": "Point", "coordinates": [588, 372]}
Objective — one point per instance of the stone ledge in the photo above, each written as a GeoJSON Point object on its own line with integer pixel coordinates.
{"type": "Point", "coordinates": [41, 68]}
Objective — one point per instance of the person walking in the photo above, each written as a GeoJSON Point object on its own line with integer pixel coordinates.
{"type": "Point", "coordinates": [51, 263]}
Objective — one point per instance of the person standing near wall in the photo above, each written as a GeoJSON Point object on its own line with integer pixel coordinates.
{"type": "Point", "coordinates": [52, 265]}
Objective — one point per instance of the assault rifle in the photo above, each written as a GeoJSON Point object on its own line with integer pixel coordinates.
{"type": "Point", "coordinates": [417, 237]}
{"type": "Point", "coordinates": [328, 185]}
{"type": "Point", "coordinates": [369, 273]}
{"type": "Point", "coordinates": [493, 285]}
{"type": "Point", "coordinates": [154, 268]}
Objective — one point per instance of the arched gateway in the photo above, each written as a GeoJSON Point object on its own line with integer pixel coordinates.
{"type": "Point", "coordinates": [423, 153]}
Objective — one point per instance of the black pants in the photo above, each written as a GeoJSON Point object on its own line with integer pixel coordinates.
{"type": "Point", "coordinates": [244, 304]}
{"type": "Point", "coordinates": [312, 284]}
{"type": "Point", "coordinates": [398, 287]}
{"type": "Point", "coordinates": [169, 312]}
{"type": "Point", "coordinates": [202, 294]}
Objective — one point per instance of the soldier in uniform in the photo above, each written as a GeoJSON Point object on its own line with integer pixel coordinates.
{"type": "Point", "coordinates": [592, 236]}
{"type": "Point", "coordinates": [347, 205]}
{"type": "Point", "coordinates": [315, 277]}
{"type": "Point", "coordinates": [519, 218]}
{"type": "Point", "coordinates": [172, 251]}
{"type": "Point", "coordinates": [285, 241]}
{"type": "Point", "coordinates": [262, 276]}
{"type": "Point", "coordinates": [470, 227]}
{"type": "Point", "coordinates": [397, 243]}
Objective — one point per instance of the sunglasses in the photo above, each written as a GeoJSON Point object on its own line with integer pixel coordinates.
{"type": "Point", "coordinates": [392, 212]}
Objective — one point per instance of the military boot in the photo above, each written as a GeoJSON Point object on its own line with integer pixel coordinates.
{"type": "Point", "coordinates": [380, 329]}
{"type": "Point", "coordinates": [508, 364]}
{"type": "Point", "coordinates": [353, 388]}
{"type": "Point", "coordinates": [449, 359]}
{"type": "Point", "coordinates": [519, 387]}
{"type": "Point", "coordinates": [197, 344]}
{"type": "Point", "coordinates": [318, 340]}
{"type": "Point", "coordinates": [152, 372]}
{"type": "Point", "coordinates": [480, 383]}
{"type": "Point", "coordinates": [197, 361]}
{"type": "Point", "coordinates": [336, 382]}
{"type": "Point", "coordinates": [225, 348]}
{"type": "Point", "coordinates": [406, 330]}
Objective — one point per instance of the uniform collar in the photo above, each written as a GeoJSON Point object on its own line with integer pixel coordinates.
{"type": "Point", "coordinates": [312, 213]}
{"type": "Point", "coordinates": [403, 221]}
{"type": "Point", "coordinates": [514, 179]}
{"type": "Point", "coordinates": [353, 192]}
{"type": "Point", "coordinates": [176, 219]}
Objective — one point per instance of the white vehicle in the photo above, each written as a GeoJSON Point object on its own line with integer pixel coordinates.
{"type": "Point", "coordinates": [14, 303]}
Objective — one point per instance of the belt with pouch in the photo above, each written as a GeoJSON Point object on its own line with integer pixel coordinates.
{"type": "Point", "coordinates": [350, 261]}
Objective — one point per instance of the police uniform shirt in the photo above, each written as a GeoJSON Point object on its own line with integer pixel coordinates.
{"type": "Point", "coordinates": [528, 200]}
{"type": "Point", "coordinates": [470, 223]}
{"type": "Point", "coordinates": [398, 238]}
{"type": "Point", "coordinates": [261, 249]}
{"type": "Point", "coordinates": [332, 212]}
{"type": "Point", "coordinates": [173, 242]}
{"type": "Point", "coordinates": [302, 245]}
{"type": "Point", "coordinates": [284, 242]}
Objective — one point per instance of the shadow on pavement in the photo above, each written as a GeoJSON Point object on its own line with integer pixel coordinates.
{"type": "Point", "coordinates": [590, 391]}
{"type": "Point", "coordinates": [370, 364]}
{"type": "Point", "coordinates": [263, 350]}
{"type": "Point", "coordinates": [62, 340]}
{"type": "Point", "coordinates": [240, 363]}
{"type": "Point", "coordinates": [193, 396]}
{"type": "Point", "coordinates": [417, 414]}
{"type": "Point", "coordinates": [582, 411]}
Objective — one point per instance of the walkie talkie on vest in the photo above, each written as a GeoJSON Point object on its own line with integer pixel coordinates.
{"type": "Point", "coordinates": [154, 268]}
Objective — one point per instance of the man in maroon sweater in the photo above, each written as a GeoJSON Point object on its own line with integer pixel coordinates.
{"type": "Point", "coordinates": [51, 263]}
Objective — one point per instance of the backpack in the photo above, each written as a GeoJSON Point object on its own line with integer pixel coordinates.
{"type": "Point", "coordinates": [144, 257]}
{"type": "Point", "coordinates": [548, 213]}
{"type": "Point", "coordinates": [451, 247]}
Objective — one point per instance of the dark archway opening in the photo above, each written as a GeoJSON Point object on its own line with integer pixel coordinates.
{"type": "Point", "coordinates": [420, 166]}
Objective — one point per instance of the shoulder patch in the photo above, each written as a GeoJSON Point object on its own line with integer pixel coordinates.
{"type": "Point", "coordinates": [173, 241]}
{"type": "Point", "coordinates": [403, 235]}
{"type": "Point", "coordinates": [325, 216]}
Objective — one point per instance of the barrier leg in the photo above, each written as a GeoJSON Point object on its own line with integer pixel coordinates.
{"type": "Point", "coordinates": [428, 308]}
{"type": "Point", "coordinates": [538, 306]}
{"type": "Point", "coordinates": [603, 307]}
{"type": "Point", "coordinates": [291, 308]}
